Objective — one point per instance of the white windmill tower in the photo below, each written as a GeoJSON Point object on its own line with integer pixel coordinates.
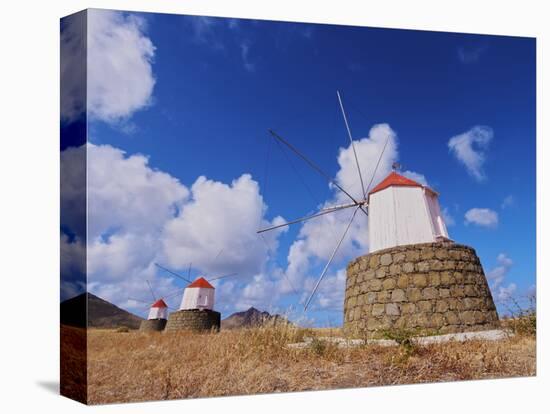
{"type": "Point", "coordinates": [375, 204]}
{"type": "Point", "coordinates": [402, 212]}
{"type": "Point", "coordinates": [198, 295]}
{"type": "Point", "coordinates": [196, 311]}
{"type": "Point", "coordinates": [158, 312]}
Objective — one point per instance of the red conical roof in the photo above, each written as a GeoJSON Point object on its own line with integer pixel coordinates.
{"type": "Point", "coordinates": [394, 179]}
{"type": "Point", "coordinates": [159, 304]}
{"type": "Point", "coordinates": [201, 282]}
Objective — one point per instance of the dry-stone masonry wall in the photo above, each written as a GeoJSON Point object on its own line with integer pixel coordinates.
{"type": "Point", "coordinates": [429, 288]}
{"type": "Point", "coordinates": [194, 320]}
{"type": "Point", "coordinates": [150, 325]}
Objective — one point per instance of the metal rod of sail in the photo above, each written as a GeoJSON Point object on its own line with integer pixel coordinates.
{"type": "Point", "coordinates": [221, 277]}
{"type": "Point", "coordinates": [218, 255]}
{"type": "Point", "coordinates": [311, 164]}
{"type": "Point", "coordinates": [338, 206]}
{"type": "Point", "coordinates": [151, 289]}
{"type": "Point", "coordinates": [174, 293]}
{"type": "Point", "coordinates": [139, 300]}
{"type": "Point", "coordinates": [378, 163]}
{"type": "Point", "coordinates": [352, 143]}
{"type": "Point", "coordinates": [172, 273]}
{"type": "Point", "coordinates": [330, 260]}
{"type": "Point", "coordinates": [321, 213]}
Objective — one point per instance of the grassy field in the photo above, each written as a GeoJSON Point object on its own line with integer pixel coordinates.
{"type": "Point", "coordinates": [134, 366]}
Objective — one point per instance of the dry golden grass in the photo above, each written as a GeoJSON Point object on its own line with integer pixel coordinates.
{"type": "Point", "coordinates": [138, 366]}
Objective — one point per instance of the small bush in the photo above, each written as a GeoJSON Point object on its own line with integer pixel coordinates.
{"type": "Point", "coordinates": [522, 319]}
{"type": "Point", "coordinates": [526, 325]}
{"type": "Point", "coordinates": [327, 350]}
{"type": "Point", "coordinates": [122, 329]}
{"type": "Point", "coordinates": [318, 347]}
{"type": "Point", "coordinates": [404, 337]}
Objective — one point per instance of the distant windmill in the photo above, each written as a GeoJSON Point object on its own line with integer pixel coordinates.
{"type": "Point", "coordinates": [158, 312]}
{"type": "Point", "coordinates": [196, 312]}
{"type": "Point", "coordinates": [199, 294]}
{"type": "Point", "coordinates": [358, 203]}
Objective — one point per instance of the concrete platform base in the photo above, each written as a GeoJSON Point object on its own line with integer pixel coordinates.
{"type": "Point", "coordinates": [491, 335]}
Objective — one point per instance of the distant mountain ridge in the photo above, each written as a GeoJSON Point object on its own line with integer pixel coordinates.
{"type": "Point", "coordinates": [252, 318]}
{"type": "Point", "coordinates": [101, 313]}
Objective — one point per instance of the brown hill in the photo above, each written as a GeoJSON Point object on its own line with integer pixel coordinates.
{"type": "Point", "coordinates": [101, 314]}
{"type": "Point", "coordinates": [252, 318]}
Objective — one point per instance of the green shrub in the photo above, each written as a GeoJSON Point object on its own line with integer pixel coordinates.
{"type": "Point", "coordinates": [318, 347]}
{"type": "Point", "coordinates": [404, 338]}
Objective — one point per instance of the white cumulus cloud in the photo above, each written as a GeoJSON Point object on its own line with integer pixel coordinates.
{"type": "Point", "coordinates": [506, 292]}
{"type": "Point", "coordinates": [120, 74]}
{"type": "Point", "coordinates": [483, 217]}
{"type": "Point", "coordinates": [129, 203]}
{"type": "Point", "coordinates": [139, 215]}
{"type": "Point", "coordinates": [470, 148]}
{"type": "Point", "coordinates": [368, 152]}
{"type": "Point", "coordinates": [125, 193]}
{"type": "Point", "coordinates": [330, 294]}
{"type": "Point", "coordinates": [498, 274]}
{"type": "Point", "coordinates": [419, 178]}
{"type": "Point", "coordinates": [221, 217]}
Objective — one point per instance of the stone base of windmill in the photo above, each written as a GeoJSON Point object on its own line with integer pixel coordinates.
{"type": "Point", "coordinates": [194, 320]}
{"type": "Point", "coordinates": [425, 289]}
{"type": "Point", "coordinates": [152, 325]}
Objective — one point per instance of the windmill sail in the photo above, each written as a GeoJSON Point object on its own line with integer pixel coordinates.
{"type": "Point", "coordinates": [323, 273]}
{"type": "Point", "coordinates": [174, 273]}
{"type": "Point", "coordinates": [151, 290]}
{"type": "Point", "coordinates": [305, 218]}
{"type": "Point", "coordinates": [359, 204]}
{"type": "Point", "coordinates": [352, 144]}
{"type": "Point", "coordinates": [311, 164]}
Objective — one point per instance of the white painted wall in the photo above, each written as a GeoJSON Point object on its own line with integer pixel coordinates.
{"type": "Point", "coordinates": [404, 215]}
{"type": "Point", "coordinates": [382, 229]}
{"type": "Point", "coordinates": [412, 217]}
{"type": "Point", "coordinates": [197, 298]}
{"type": "Point", "coordinates": [158, 313]}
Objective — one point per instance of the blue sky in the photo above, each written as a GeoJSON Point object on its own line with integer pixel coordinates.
{"type": "Point", "coordinates": [214, 86]}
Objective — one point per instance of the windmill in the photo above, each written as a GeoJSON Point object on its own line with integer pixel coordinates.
{"type": "Point", "coordinates": [199, 294]}
{"type": "Point", "coordinates": [196, 312]}
{"type": "Point", "coordinates": [359, 204]}
{"type": "Point", "coordinates": [410, 255]}
{"type": "Point", "coordinates": [158, 312]}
